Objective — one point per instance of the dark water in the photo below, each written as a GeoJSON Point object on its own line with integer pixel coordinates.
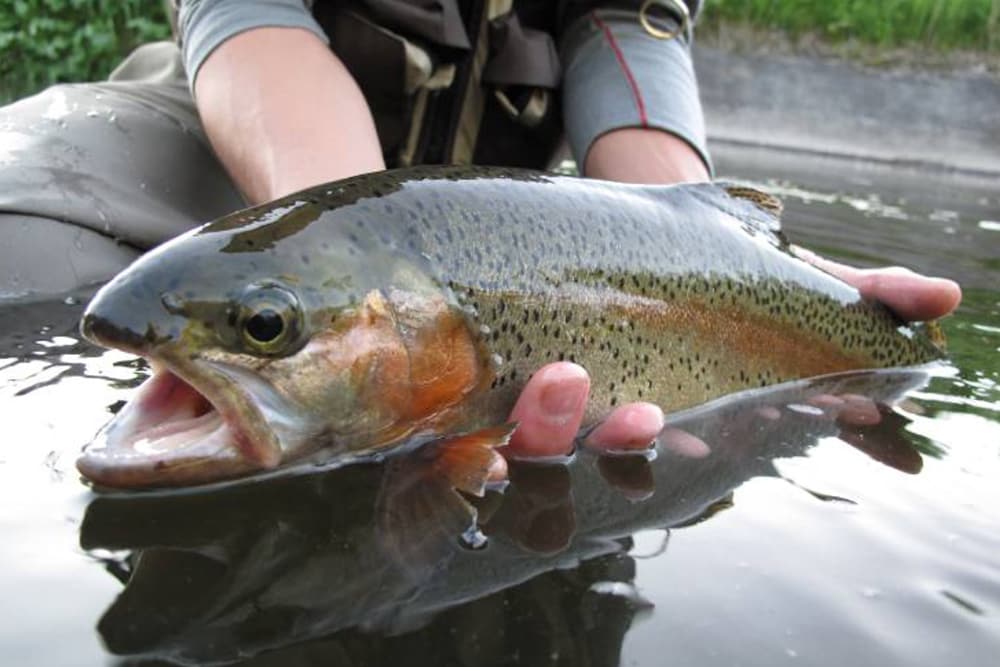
{"type": "Point", "coordinates": [804, 536]}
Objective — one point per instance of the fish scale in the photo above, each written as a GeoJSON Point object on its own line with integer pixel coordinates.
{"type": "Point", "coordinates": [571, 264]}
{"type": "Point", "coordinates": [638, 263]}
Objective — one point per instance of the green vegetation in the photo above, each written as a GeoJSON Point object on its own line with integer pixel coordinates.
{"type": "Point", "coordinates": [937, 24]}
{"type": "Point", "coordinates": [48, 41]}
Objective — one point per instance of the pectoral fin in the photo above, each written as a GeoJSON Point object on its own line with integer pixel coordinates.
{"type": "Point", "coordinates": [465, 460]}
{"type": "Point", "coordinates": [420, 510]}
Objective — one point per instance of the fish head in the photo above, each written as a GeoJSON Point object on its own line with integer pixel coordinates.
{"type": "Point", "coordinates": [259, 358]}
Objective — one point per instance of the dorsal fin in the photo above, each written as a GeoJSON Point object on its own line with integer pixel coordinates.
{"type": "Point", "coordinates": [762, 200]}
{"type": "Point", "coordinates": [757, 211]}
{"type": "Point", "coordinates": [761, 211]}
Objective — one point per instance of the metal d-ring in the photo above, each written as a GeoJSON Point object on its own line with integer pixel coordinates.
{"type": "Point", "coordinates": [676, 7]}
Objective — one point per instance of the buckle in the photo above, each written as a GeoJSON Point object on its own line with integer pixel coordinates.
{"type": "Point", "coordinates": [677, 10]}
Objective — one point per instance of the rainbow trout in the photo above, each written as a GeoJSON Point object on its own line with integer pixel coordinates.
{"type": "Point", "coordinates": [351, 317]}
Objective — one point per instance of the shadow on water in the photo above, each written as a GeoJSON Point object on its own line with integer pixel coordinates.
{"type": "Point", "coordinates": [301, 566]}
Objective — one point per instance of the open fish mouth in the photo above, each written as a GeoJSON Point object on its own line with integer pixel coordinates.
{"type": "Point", "coordinates": [191, 422]}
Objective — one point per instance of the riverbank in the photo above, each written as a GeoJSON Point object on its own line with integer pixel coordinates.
{"type": "Point", "coordinates": [915, 110]}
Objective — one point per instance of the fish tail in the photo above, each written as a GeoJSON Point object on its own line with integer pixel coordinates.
{"type": "Point", "coordinates": [934, 333]}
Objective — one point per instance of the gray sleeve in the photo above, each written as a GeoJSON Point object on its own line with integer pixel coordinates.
{"type": "Point", "coordinates": [205, 24]}
{"type": "Point", "coordinates": [616, 75]}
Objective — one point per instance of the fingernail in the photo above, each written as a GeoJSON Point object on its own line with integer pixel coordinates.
{"type": "Point", "coordinates": [497, 471]}
{"type": "Point", "coordinates": [630, 427]}
{"type": "Point", "coordinates": [565, 392]}
{"type": "Point", "coordinates": [641, 418]}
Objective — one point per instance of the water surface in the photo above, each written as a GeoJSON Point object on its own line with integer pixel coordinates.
{"type": "Point", "coordinates": [803, 537]}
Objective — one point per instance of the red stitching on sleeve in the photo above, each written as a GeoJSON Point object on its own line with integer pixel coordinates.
{"type": "Point", "coordinates": [620, 57]}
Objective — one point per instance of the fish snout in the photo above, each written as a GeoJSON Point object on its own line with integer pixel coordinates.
{"type": "Point", "coordinates": [102, 331]}
{"type": "Point", "coordinates": [116, 319]}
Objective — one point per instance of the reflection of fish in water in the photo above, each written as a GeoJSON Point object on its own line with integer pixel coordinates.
{"type": "Point", "coordinates": [355, 315]}
{"type": "Point", "coordinates": [223, 574]}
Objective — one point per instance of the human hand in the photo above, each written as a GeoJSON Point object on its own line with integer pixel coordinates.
{"type": "Point", "coordinates": [550, 412]}
{"type": "Point", "coordinates": [911, 296]}
{"type": "Point", "coordinates": [551, 407]}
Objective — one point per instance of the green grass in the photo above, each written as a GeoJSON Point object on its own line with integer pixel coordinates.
{"type": "Point", "coordinates": [49, 41]}
{"type": "Point", "coordinates": [936, 24]}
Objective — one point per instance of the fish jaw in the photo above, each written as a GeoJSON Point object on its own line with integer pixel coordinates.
{"type": "Point", "coordinates": [193, 422]}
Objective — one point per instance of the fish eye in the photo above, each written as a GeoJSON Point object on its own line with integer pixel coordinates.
{"type": "Point", "coordinates": [270, 319]}
{"type": "Point", "coordinates": [265, 326]}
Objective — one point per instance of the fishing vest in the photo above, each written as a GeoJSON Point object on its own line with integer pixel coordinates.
{"type": "Point", "coordinates": [469, 81]}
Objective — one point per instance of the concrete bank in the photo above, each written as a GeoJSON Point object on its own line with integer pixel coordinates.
{"type": "Point", "coordinates": [942, 121]}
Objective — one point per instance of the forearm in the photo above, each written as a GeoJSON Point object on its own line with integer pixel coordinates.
{"type": "Point", "coordinates": [283, 113]}
{"type": "Point", "coordinates": [644, 155]}
{"type": "Point", "coordinates": [630, 102]}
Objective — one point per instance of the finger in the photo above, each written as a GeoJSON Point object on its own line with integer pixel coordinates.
{"type": "Point", "coordinates": [911, 296]}
{"type": "Point", "coordinates": [859, 411]}
{"type": "Point", "coordinates": [549, 411]}
{"type": "Point", "coordinates": [497, 472]}
{"type": "Point", "coordinates": [768, 412]}
{"type": "Point", "coordinates": [632, 426]}
{"type": "Point", "coordinates": [538, 511]}
{"type": "Point", "coordinates": [632, 476]}
{"type": "Point", "coordinates": [828, 404]}
{"type": "Point", "coordinates": [684, 443]}
{"type": "Point", "coordinates": [825, 401]}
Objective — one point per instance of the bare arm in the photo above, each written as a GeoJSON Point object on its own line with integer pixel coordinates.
{"type": "Point", "coordinates": [283, 113]}
{"type": "Point", "coordinates": [643, 155]}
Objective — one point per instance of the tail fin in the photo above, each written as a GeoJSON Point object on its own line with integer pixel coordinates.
{"type": "Point", "coordinates": [934, 333]}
